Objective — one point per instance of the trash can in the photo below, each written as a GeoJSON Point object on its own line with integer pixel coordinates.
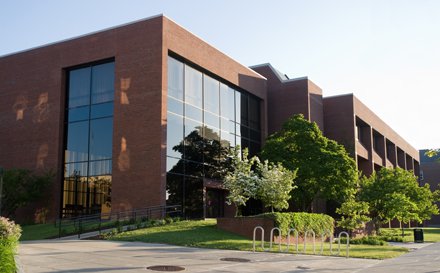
{"type": "Point", "coordinates": [418, 235]}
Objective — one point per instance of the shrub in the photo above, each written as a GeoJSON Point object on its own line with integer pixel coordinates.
{"type": "Point", "coordinates": [9, 235]}
{"type": "Point", "coordinates": [302, 222]}
{"type": "Point", "coordinates": [365, 241]}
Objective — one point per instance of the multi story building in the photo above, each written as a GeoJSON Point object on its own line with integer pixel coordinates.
{"type": "Point", "coordinates": [140, 115]}
{"type": "Point", "coordinates": [430, 174]}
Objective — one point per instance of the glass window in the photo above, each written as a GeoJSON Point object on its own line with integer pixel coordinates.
{"type": "Point", "coordinates": [227, 139]}
{"type": "Point", "coordinates": [174, 165]}
{"type": "Point", "coordinates": [227, 98]}
{"type": "Point", "coordinates": [254, 113]}
{"type": "Point", "coordinates": [227, 125]}
{"type": "Point", "coordinates": [211, 95]}
{"type": "Point", "coordinates": [193, 197]}
{"type": "Point", "coordinates": [193, 86]}
{"type": "Point", "coordinates": [237, 107]}
{"type": "Point", "coordinates": [103, 83]}
{"type": "Point", "coordinates": [193, 112]}
{"type": "Point", "coordinates": [192, 126]}
{"type": "Point", "coordinates": [255, 135]}
{"type": "Point", "coordinates": [77, 168]}
{"type": "Point", "coordinates": [101, 131]}
{"type": "Point", "coordinates": [211, 133]}
{"type": "Point", "coordinates": [79, 87]}
{"type": "Point", "coordinates": [102, 110]}
{"type": "Point", "coordinates": [174, 134]}
{"type": "Point", "coordinates": [244, 131]}
{"type": "Point", "coordinates": [175, 106]}
{"type": "Point", "coordinates": [79, 113]}
{"type": "Point", "coordinates": [212, 120]}
{"type": "Point", "coordinates": [174, 194]}
{"type": "Point", "coordinates": [244, 110]}
{"type": "Point", "coordinates": [100, 167]}
{"type": "Point", "coordinates": [77, 141]}
{"type": "Point", "coordinates": [175, 78]}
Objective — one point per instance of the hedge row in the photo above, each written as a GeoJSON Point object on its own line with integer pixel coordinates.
{"type": "Point", "coordinates": [302, 222]}
{"type": "Point", "coordinates": [9, 235]}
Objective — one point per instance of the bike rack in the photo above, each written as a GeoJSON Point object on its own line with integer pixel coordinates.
{"type": "Point", "coordinates": [271, 238]}
{"type": "Point", "coordinates": [288, 239]}
{"type": "Point", "coordinates": [305, 240]}
{"type": "Point", "coordinates": [347, 249]}
{"type": "Point", "coordinates": [295, 232]}
{"type": "Point", "coordinates": [262, 237]}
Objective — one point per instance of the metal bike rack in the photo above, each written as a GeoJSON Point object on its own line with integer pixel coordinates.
{"type": "Point", "coordinates": [347, 250]}
{"type": "Point", "coordinates": [288, 239]}
{"type": "Point", "coordinates": [271, 238]}
{"type": "Point", "coordinates": [262, 237]}
{"type": "Point", "coordinates": [323, 240]}
{"type": "Point", "coordinates": [305, 240]}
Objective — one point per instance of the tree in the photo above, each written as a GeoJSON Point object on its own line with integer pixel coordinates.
{"type": "Point", "coordinates": [325, 169]}
{"type": "Point", "coordinates": [21, 187]}
{"type": "Point", "coordinates": [275, 185]}
{"type": "Point", "coordinates": [395, 193]}
{"type": "Point", "coordinates": [354, 214]}
{"type": "Point", "coordinates": [242, 181]}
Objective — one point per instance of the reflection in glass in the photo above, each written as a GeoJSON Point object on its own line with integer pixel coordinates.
{"type": "Point", "coordinates": [79, 113]}
{"type": "Point", "coordinates": [193, 86]}
{"type": "Point", "coordinates": [211, 120]}
{"type": "Point", "coordinates": [244, 110]}
{"type": "Point", "coordinates": [88, 151]}
{"type": "Point", "coordinates": [227, 98]}
{"type": "Point", "coordinates": [175, 106]}
{"type": "Point", "coordinates": [102, 110]}
{"type": "Point", "coordinates": [211, 95]}
{"type": "Point", "coordinates": [103, 83]}
{"type": "Point", "coordinates": [77, 141]}
{"type": "Point", "coordinates": [174, 134]}
{"type": "Point", "coordinates": [254, 113]}
{"type": "Point", "coordinates": [193, 112]}
{"type": "Point", "coordinates": [79, 87]}
{"type": "Point", "coordinates": [175, 78]}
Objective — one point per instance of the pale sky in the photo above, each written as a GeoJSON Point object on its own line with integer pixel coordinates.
{"type": "Point", "coordinates": [385, 52]}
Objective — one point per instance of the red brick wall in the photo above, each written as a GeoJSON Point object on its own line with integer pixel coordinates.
{"type": "Point", "coordinates": [244, 226]}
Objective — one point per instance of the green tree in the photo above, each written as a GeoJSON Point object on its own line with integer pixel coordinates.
{"type": "Point", "coordinates": [242, 181]}
{"type": "Point", "coordinates": [325, 169]}
{"type": "Point", "coordinates": [354, 214]}
{"type": "Point", "coordinates": [395, 193]}
{"type": "Point", "coordinates": [275, 185]}
{"type": "Point", "coordinates": [21, 187]}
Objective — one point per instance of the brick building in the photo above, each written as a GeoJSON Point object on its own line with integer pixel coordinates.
{"type": "Point", "coordinates": [137, 116]}
{"type": "Point", "coordinates": [430, 174]}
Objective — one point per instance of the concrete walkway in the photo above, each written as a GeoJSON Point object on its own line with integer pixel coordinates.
{"type": "Point", "coordinates": [106, 256]}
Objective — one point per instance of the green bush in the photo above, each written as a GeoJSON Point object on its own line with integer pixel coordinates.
{"type": "Point", "coordinates": [302, 222]}
{"type": "Point", "coordinates": [365, 241]}
{"type": "Point", "coordinates": [9, 235]}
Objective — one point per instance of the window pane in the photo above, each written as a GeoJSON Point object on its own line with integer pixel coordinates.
{"type": "Point", "coordinates": [79, 169]}
{"type": "Point", "coordinates": [244, 110]}
{"type": "Point", "coordinates": [193, 112]}
{"type": "Point", "coordinates": [193, 87]}
{"type": "Point", "coordinates": [175, 106]}
{"type": "Point", "coordinates": [100, 167]}
{"type": "Point", "coordinates": [254, 113]}
{"type": "Point", "coordinates": [175, 78]}
{"type": "Point", "coordinates": [227, 125]}
{"type": "Point", "coordinates": [255, 135]}
{"type": "Point", "coordinates": [79, 113]}
{"type": "Point", "coordinates": [244, 131]}
{"type": "Point", "coordinates": [227, 98]}
{"type": "Point", "coordinates": [79, 87]}
{"type": "Point", "coordinates": [174, 193]}
{"type": "Point", "coordinates": [175, 165]}
{"type": "Point", "coordinates": [211, 133]}
{"type": "Point", "coordinates": [237, 107]}
{"type": "Point", "coordinates": [101, 131]}
{"type": "Point", "coordinates": [102, 110]}
{"type": "Point", "coordinates": [227, 139]}
{"type": "Point", "coordinates": [103, 81]}
{"type": "Point", "coordinates": [77, 141]}
{"type": "Point", "coordinates": [211, 95]}
{"type": "Point", "coordinates": [193, 197]}
{"type": "Point", "coordinates": [192, 126]}
{"type": "Point", "coordinates": [174, 134]}
{"type": "Point", "coordinates": [212, 120]}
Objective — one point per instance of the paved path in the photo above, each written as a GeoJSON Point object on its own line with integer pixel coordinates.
{"type": "Point", "coordinates": [104, 256]}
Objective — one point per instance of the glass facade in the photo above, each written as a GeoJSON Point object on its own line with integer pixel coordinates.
{"type": "Point", "coordinates": [88, 150]}
{"type": "Point", "coordinates": [204, 118]}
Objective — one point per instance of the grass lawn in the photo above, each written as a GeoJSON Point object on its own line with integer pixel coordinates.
{"type": "Point", "coordinates": [205, 234]}
{"type": "Point", "coordinates": [430, 235]}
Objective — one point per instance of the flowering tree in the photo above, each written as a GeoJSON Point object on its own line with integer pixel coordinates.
{"type": "Point", "coordinates": [242, 181]}
{"type": "Point", "coordinates": [275, 185]}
